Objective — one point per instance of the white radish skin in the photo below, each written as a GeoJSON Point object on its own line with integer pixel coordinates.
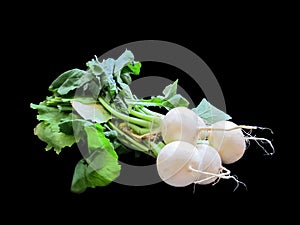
{"type": "Point", "coordinates": [181, 124]}
{"type": "Point", "coordinates": [230, 143]}
{"type": "Point", "coordinates": [209, 164]}
{"type": "Point", "coordinates": [174, 161]}
{"type": "Point", "coordinates": [180, 164]}
{"type": "Point", "coordinates": [210, 169]}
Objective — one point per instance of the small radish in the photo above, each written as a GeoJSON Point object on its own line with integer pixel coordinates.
{"type": "Point", "coordinates": [181, 124]}
{"type": "Point", "coordinates": [228, 141]}
{"type": "Point", "coordinates": [209, 164]}
{"type": "Point", "coordinates": [210, 168]}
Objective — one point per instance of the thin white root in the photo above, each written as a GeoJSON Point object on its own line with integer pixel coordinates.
{"type": "Point", "coordinates": [224, 174]}
{"type": "Point", "coordinates": [257, 139]}
{"type": "Point", "coordinates": [246, 127]}
{"type": "Point", "coordinates": [266, 128]}
{"type": "Point", "coordinates": [228, 129]}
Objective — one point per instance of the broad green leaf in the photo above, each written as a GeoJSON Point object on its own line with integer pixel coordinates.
{"type": "Point", "coordinates": [103, 168]}
{"type": "Point", "coordinates": [126, 58]}
{"type": "Point", "coordinates": [100, 169]}
{"type": "Point", "coordinates": [170, 90]}
{"type": "Point", "coordinates": [49, 130]}
{"type": "Point", "coordinates": [104, 72]}
{"type": "Point", "coordinates": [61, 79]}
{"type": "Point", "coordinates": [93, 112]}
{"type": "Point", "coordinates": [170, 99]}
{"type": "Point", "coordinates": [50, 133]}
{"type": "Point", "coordinates": [209, 113]}
{"type": "Point", "coordinates": [175, 101]}
{"type": "Point", "coordinates": [50, 114]}
{"type": "Point", "coordinates": [96, 139]}
{"type": "Point", "coordinates": [75, 81]}
{"type": "Point", "coordinates": [70, 80]}
{"type": "Point", "coordinates": [79, 181]}
{"type": "Point", "coordinates": [73, 125]}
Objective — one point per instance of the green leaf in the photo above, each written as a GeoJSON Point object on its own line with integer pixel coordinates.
{"type": "Point", "coordinates": [135, 68]}
{"type": "Point", "coordinates": [79, 181]}
{"type": "Point", "coordinates": [124, 66]}
{"type": "Point", "coordinates": [103, 168]}
{"type": "Point", "coordinates": [50, 133]}
{"type": "Point", "coordinates": [132, 68]}
{"type": "Point", "coordinates": [61, 79]}
{"type": "Point", "coordinates": [74, 127]}
{"type": "Point", "coordinates": [209, 113]}
{"type": "Point", "coordinates": [175, 101]}
{"type": "Point", "coordinates": [96, 139]}
{"type": "Point", "coordinates": [50, 114]}
{"type": "Point", "coordinates": [104, 71]}
{"type": "Point", "coordinates": [93, 112]}
{"type": "Point", "coordinates": [170, 99]}
{"type": "Point", "coordinates": [49, 129]}
{"type": "Point", "coordinates": [100, 169]}
{"type": "Point", "coordinates": [70, 80]}
{"type": "Point", "coordinates": [124, 59]}
{"type": "Point", "coordinates": [170, 90]}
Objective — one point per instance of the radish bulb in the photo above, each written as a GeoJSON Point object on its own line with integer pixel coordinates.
{"type": "Point", "coordinates": [209, 164]}
{"type": "Point", "coordinates": [174, 161]}
{"type": "Point", "coordinates": [181, 124]}
{"type": "Point", "coordinates": [229, 142]}
{"type": "Point", "coordinates": [180, 164]}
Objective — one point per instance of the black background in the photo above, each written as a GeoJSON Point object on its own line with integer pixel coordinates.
{"type": "Point", "coordinates": [245, 61]}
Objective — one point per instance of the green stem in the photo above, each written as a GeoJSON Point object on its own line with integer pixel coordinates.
{"type": "Point", "coordinates": [144, 103]}
{"type": "Point", "coordinates": [150, 112]}
{"type": "Point", "coordinates": [138, 145]}
{"type": "Point", "coordinates": [139, 130]}
{"type": "Point", "coordinates": [141, 115]}
{"type": "Point", "coordinates": [155, 148]}
{"type": "Point", "coordinates": [64, 108]}
{"type": "Point", "coordinates": [124, 117]}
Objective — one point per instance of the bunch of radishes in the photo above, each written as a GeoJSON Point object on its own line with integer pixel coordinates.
{"type": "Point", "coordinates": [194, 152]}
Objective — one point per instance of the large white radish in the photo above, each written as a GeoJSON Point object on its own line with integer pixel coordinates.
{"type": "Point", "coordinates": [174, 161]}
{"type": "Point", "coordinates": [181, 124]}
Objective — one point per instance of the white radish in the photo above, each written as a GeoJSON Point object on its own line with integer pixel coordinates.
{"type": "Point", "coordinates": [180, 164]}
{"type": "Point", "coordinates": [174, 161]}
{"type": "Point", "coordinates": [209, 164]}
{"type": "Point", "coordinates": [181, 124]}
{"type": "Point", "coordinates": [228, 140]}
{"type": "Point", "coordinates": [210, 168]}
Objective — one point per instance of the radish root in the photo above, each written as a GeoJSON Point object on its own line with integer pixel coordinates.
{"type": "Point", "coordinates": [260, 140]}
{"type": "Point", "coordinates": [224, 174]}
{"type": "Point", "coordinates": [229, 129]}
{"type": "Point", "coordinates": [248, 136]}
{"type": "Point", "coordinates": [257, 140]}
